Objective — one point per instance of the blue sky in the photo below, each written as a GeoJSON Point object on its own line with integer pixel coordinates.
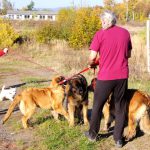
{"type": "Point", "coordinates": [56, 3]}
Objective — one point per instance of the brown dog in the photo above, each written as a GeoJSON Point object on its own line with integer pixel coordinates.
{"type": "Point", "coordinates": [47, 98]}
{"type": "Point", "coordinates": [138, 107]}
{"type": "Point", "coordinates": [77, 98]}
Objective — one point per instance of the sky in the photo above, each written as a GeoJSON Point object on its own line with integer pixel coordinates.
{"type": "Point", "coordinates": [56, 3]}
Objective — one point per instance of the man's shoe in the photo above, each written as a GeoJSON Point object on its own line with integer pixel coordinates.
{"type": "Point", "coordinates": [90, 138]}
{"type": "Point", "coordinates": [119, 143]}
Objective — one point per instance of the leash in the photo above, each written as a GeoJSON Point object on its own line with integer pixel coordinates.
{"type": "Point", "coordinates": [50, 69]}
{"type": "Point", "coordinates": [33, 62]}
{"type": "Point", "coordinates": [69, 78]}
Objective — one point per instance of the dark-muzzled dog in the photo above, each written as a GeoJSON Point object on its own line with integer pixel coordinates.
{"type": "Point", "coordinates": [77, 98]}
{"type": "Point", "coordinates": [138, 110]}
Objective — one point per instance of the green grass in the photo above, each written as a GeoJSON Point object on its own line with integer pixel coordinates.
{"type": "Point", "coordinates": [59, 136]}
{"type": "Point", "coordinates": [141, 85]}
{"type": "Point", "coordinates": [35, 82]}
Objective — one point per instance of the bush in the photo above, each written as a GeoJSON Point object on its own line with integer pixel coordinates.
{"type": "Point", "coordinates": [87, 22]}
{"type": "Point", "coordinates": [7, 34]}
{"type": "Point", "coordinates": [66, 19]}
{"type": "Point", "coordinates": [46, 33]}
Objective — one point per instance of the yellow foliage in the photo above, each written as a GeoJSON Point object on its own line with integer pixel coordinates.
{"type": "Point", "coordinates": [7, 34]}
{"type": "Point", "coordinates": [87, 22]}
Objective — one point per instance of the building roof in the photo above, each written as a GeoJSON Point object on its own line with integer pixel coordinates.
{"type": "Point", "coordinates": [20, 12]}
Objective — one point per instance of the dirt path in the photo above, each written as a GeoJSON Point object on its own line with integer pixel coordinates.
{"type": "Point", "coordinates": [24, 139]}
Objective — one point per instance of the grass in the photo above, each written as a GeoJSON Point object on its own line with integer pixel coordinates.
{"type": "Point", "coordinates": [58, 136]}
{"type": "Point", "coordinates": [139, 84]}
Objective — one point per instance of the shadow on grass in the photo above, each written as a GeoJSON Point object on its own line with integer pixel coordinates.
{"type": "Point", "coordinates": [40, 120]}
{"type": "Point", "coordinates": [25, 83]}
{"type": "Point", "coordinates": [139, 133]}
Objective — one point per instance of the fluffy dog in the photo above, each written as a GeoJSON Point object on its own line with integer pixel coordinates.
{"type": "Point", "coordinates": [50, 97]}
{"type": "Point", "coordinates": [77, 98]}
{"type": "Point", "coordinates": [138, 108]}
{"type": "Point", "coordinates": [7, 93]}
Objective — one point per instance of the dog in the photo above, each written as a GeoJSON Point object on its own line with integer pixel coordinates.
{"type": "Point", "coordinates": [77, 99]}
{"type": "Point", "coordinates": [138, 111]}
{"type": "Point", "coordinates": [7, 93]}
{"type": "Point", "coordinates": [46, 98]}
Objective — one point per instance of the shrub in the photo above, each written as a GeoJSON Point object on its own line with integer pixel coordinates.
{"type": "Point", "coordinates": [87, 22]}
{"type": "Point", "coordinates": [7, 34]}
{"type": "Point", "coordinates": [65, 21]}
{"type": "Point", "coordinates": [45, 33]}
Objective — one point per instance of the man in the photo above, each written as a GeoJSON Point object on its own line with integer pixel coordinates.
{"type": "Point", "coordinates": [113, 45]}
{"type": "Point", "coordinates": [3, 52]}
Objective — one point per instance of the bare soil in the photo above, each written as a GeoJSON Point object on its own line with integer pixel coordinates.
{"type": "Point", "coordinates": [24, 139]}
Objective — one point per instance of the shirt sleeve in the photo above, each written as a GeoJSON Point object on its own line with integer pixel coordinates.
{"type": "Point", "coordinates": [95, 45]}
{"type": "Point", "coordinates": [1, 53]}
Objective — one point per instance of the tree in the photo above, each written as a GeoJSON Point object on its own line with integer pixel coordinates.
{"type": "Point", "coordinates": [30, 6]}
{"type": "Point", "coordinates": [65, 21]}
{"type": "Point", "coordinates": [87, 22]}
{"type": "Point", "coordinates": [108, 4]}
{"type": "Point", "coordinates": [7, 5]}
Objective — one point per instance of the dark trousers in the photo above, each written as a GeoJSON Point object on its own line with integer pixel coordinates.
{"type": "Point", "coordinates": [101, 94]}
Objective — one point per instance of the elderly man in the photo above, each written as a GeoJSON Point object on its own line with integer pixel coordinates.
{"type": "Point", "coordinates": [112, 43]}
{"type": "Point", "coordinates": [4, 51]}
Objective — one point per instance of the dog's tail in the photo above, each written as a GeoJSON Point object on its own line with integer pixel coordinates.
{"type": "Point", "coordinates": [11, 108]}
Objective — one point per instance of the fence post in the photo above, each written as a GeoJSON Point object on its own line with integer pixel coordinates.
{"type": "Point", "coordinates": [148, 45]}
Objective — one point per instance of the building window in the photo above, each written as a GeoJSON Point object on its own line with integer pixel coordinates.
{"type": "Point", "coordinates": [42, 17]}
{"type": "Point", "coordinates": [27, 16]}
{"type": "Point", "coordinates": [50, 17]}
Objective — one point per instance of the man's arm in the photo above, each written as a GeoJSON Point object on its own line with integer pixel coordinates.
{"type": "Point", "coordinates": [129, 53]}
{"type": "Point", "coordinates": [93, 60]}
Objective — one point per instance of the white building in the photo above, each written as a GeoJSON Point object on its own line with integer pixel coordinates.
{"type": "Point", "coordinates": [27, 15]}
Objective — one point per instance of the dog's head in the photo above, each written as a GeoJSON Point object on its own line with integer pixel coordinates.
{"type": "Point", "coordinates": [92, 86]}
{"type": "Point", "coordinates": [78, 86]}
{"type": "Point", "coordinates": [56, 80]}
{"type": "Point", "coordinates": [7, 93]}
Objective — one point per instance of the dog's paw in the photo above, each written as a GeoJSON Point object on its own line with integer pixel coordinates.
{"type": "Point", "coordinates": [130, 136]}
{"type": "Point", "coordinates": [86, 123]}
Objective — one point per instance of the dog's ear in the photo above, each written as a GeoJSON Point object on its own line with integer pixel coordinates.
{"type": "Point", "coordinates": [56, 80]}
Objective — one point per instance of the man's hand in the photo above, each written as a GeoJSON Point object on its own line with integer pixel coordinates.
{"type": "Point", "coordinates": [94, 64]}
{"type": "Point", "coordinates": [5, 50]}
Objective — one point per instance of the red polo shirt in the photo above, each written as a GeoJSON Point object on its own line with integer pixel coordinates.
{"type": "Point", "coordinates": [113, 45]}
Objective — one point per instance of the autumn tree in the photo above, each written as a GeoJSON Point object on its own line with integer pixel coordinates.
{"type": "Point", "coordinates": [65, 21]}
{"type": "Point", "coordinates": [7, 5]}
{"type": "Point", "coordinates": [87, 22]}
{"type": "Point", "coordinates": [109, 4]}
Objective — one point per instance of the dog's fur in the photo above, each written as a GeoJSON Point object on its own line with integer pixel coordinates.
{"type": "Point", "coordinates": [47, 98]}
{"type": "Point", "coordinates": [7, 93]}
{"type": "Point", "coordinates": [138, 111]}
{"type": "Point", "coordinates": [77, 98]}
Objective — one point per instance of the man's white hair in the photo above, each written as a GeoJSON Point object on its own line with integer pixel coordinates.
{"type": "Point", "coordinates": [111, 18]}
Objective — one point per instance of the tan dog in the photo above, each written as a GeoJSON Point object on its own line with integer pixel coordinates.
{"type": "Point", "coordinates": [138, 108]}
{"type": "Point", "coordinates": [47, 98]}
{"type": "Point", "coordinates": [77, 99]}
